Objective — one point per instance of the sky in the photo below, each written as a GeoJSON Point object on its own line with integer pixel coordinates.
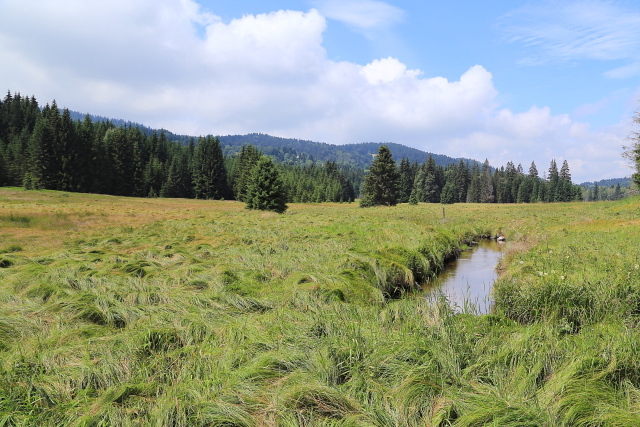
{"type": "Point", "coordinates": [508, 80]}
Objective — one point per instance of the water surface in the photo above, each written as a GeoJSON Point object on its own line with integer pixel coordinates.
{"type": "Point", "coordinates": [468, 279]}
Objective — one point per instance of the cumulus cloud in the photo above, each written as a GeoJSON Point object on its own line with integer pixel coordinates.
{"type": "Point", "coordinates": [168, 63]}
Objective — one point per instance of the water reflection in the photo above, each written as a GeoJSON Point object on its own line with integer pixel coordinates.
{"type": "Point", "coordinates": [467, 280]}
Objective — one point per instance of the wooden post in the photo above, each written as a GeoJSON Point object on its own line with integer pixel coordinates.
{"type": "Point", "coordinates": [443, 212]}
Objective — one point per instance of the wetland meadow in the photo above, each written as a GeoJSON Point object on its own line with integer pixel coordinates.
{"type": "Point", "coordinates": [171, 312]}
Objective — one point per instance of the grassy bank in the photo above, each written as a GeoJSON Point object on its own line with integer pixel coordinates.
{"type": "Point", "coordinates": [120, 311]}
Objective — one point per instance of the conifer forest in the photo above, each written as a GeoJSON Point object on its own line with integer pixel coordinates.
{"type": "Point", "coordinates": [44, 148]}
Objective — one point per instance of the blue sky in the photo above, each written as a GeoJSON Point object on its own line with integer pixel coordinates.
{"type": "Point", "coordinates": [512, 80]}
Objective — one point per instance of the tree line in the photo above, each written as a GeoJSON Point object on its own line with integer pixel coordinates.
{"type": "Point", "coordinates": [388, 184]}
{"type": "Point", "coordinates": [44, 148]}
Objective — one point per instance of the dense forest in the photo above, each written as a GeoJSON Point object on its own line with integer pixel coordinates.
{"type": "Point", "coordinates": [387, 184]}
{"type": "Point", "coordinates": [293, 151]}
{"type": "Point", "coordinates": [47, 148]}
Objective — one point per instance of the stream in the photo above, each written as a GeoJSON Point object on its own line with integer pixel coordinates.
{"type": "Point", "coordinates": [466, 281]}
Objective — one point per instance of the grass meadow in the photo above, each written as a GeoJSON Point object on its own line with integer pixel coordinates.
{"type": "Point", "coordinates": [170, 312]}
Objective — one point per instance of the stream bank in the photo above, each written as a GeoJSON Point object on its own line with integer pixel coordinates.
{"type": "Point", "coordinates": [466, 280]}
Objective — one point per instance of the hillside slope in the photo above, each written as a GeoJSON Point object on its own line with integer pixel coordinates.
{"type": "Point", "coordinates": [298, 151]}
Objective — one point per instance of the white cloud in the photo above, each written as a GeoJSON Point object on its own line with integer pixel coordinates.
{"type": "Point", "coordinates": [146, 61]}
{"type": "Point", "coordinates": [577, 30]}
{"type": "Point", "coordinates": [386, 70]}
{"type": "Point", "coordinates": [537, 135]}
{"type": "Point", "coordinates": [361, 14]}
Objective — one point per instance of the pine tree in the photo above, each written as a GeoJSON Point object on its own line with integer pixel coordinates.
{"type": "Point", "coordinates": [486, 185]}
{"type": "Point", "coordinates": [154, 178]}
{"type": "Point", "coordinates": [243, 165]}
{"type": "Point", "coordinates": [265, 189]}
{"type": "Point", "coordinates": [449, 193]}
{"type": "Point", "coordinates": [617, 195]}
{"type": "Point", "coordinates": [209, 174]}
{"type": "Point", "coordinates": [53, 148]}
{"type": "Point", "coordinates": [381, 184]}
{"type": "Point", "coordinates": [432, 185]}
{"type": "Point", "coordinates": [533, 171]}
{"type": "Point", "coordinates": [38, 153]}
{"type": "Point", "coordinates": [509, 181]}
{"type": "Point", "coordinates": [461, 181]}
{"type": "Point", "coordinates": [179, 180]}
{"type": "Point", "coordinates": [473, 193]}
{"type": "Point", "coordinates": [85, 167]}
{"type": "Point", "coordinates": [554, 178]}
{"type": "Point", "coordinates": [407, 177]}
{"type": "Point", "coordinates": [524, 191]}
{"type": "Point", "coordinates": [102, 175]}
{"type": "Point", "coordinates": [565, 192]}
{"type": "Point", "coordinates": [499, 184]}
{"type": "Point", "coordinates": [419, 184]}
{"type": "Point", "coordinates": [121, 156]}
{"type": "Point", "coordinates": [71, 154]}
{"type": "Point", "coordinates": [413, 198]}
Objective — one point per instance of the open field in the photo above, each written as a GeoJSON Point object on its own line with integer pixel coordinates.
{"type": "Point", "coordinates": [124, 311]}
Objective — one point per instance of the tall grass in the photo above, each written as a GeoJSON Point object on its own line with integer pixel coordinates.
{"type": "Point", "coordinates": [119, 311]}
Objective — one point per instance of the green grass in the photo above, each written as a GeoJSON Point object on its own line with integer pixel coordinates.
{"type": "Point", "coordinates": [117, 311]}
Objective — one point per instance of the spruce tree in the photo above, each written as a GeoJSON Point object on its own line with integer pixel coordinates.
{"type": "Point", "coordinates": [209, 174]}
{"type": "Point", "coordinates": [247, 158]}
{"type": "Point", "coordinates": [510, 182]}
{"type": "Point", "coordinates": [381, 184]}
{"type": "Point", "coordinates": [565, 192]}
{"type": "Point", "coordinates": [533, 171]}
{"type": "Point", "coordinates": [179, 180]}
{"type": "Point", "coordinates": [449, 193]}
{"type": "Point", "coordinates": [486, 185]}
{"type": "Point", "coordinates": [121, 156]}
{"type": "Point", "coordinates": [38, 155]}
{"type": "Point", "coordinates": [554, 178]}
{"type": "Point", "coordinates": [71, 150]}
{"type": "Point", "coordinates": [419, 183]}
{"type": "Point", "coordinates": [617, 195]}
{"type": "Point", "coordinates": [473, 193]}
{"type": "Point", "coordinates": [461, 181]}
{"type": "Point", "coordinates": [265, 189]}
{"type": "Point", "coordinates": [432, 184]}
{"type": "Point", "coordinates": [407, 177]}
{"type": "Point", "coordinates": [413, 198]}
{"type": "Point", "coordinates": [85, 168]}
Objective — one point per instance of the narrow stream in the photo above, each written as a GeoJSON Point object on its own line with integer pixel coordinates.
{"type": "Point", "coordinates": [466, 281]}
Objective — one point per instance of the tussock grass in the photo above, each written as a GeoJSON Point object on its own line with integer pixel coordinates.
{"type": "Point", "coordinates": [128, 312]}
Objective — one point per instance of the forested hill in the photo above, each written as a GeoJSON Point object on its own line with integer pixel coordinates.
{"type": "Point", "coordinates": [297, 151]}
{"type": "Point", "coordinates": [623, 182]}
{"type": "Point", "coordinates": [184, 139]}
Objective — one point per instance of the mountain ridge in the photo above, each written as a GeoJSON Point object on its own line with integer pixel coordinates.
{"type": "Point", "coordinates": [299, 151]}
